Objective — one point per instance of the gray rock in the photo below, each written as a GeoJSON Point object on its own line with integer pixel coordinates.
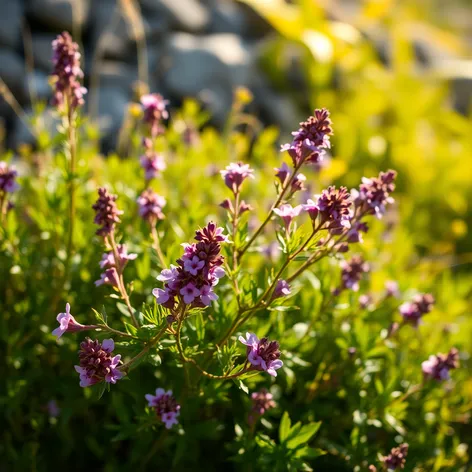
{"type": "Point", "coordinates": [228, 16]}
{"type": "Point", "coordinates": [42, 51]}
{"type": "Point", "coordinates": [117, 74]}
{"type": "Point", "coordinates": [110, 32]}
{"type": "Point", "coordinates": [183, 15]}
{"type": "Point", "coordinates": [12, 72]}
{"type": "Point", "coordinates": [207, 68]}
{"type": "Point", "coordinates": [229, 49]}
{"type": "Point", "coordinates": [10, 23]}
{"type": "Point", "coordinates": [112, 105]}
{"type": "Point", "coordinates": [60, 14]}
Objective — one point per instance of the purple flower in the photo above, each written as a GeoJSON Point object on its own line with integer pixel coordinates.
{"type": "Point", "coordinates": [207, 295]}
{"type": "Point", "coordinates": [437, 367]}
{"type": "Point", "coordinates": [282, 289]}
{"type": "Point", "coordinates": [109, 277]}
{"type": "Point", "coordinates": [288, 213]}
{"type": "Point", "coordinates": [354, 235]}
{"type": "Point", "coordinates": [108, 258]}
{"type": "Point", "coordinates": [312, 209]}
{"type": "Point", "coordinates": [67, 72]}
{"type": "Point", "coordinates": [283, 173]}
{"type": "Point", "coordinates": [106, 212]}
{"type": "Point", "coordinates": [365, 301]}
{"type": "Point", "coordinates": [352, 272]}
{"type": "Point", "coordinates": [193, 265]}
{"type": "Point", "coordinates": [154, 107]}
{"type": "Point", "coordinates": [165, 406]}
{"type": "Point", "coordinates": [7, 178]}
{"type": "Point", "coordinates": [298, 183]}
{"type": "Point", "coordinates": [397, 457]}
{"type": "Point", "coordinates": [392, 289]}
{"type": "Point", "coordinates": [334, 208]}
{"type": "Point", "coordinates": [150, 206]}
{"type": "Point", "coordinates": [53, 409]}
{"type": "Point", "coordinates": [261, 402]}
{"type": "Point", "coordinates": [197, 272]}
{"type": "Point", "coordinates": [68, 324]}
{"type": "Point", "coordinates": [189, 292]}
{"type": "Point", "coordinates": [311, 140]}
{"type": "Point", "coordinates": [235, 174]}
{"type": "Point", "coordinates": [153, 164]}
{"type": "Point", "coordinates": [262, 354]}
{"type": "Point", "coordinates": [413, 311]}
{"type": "Point", "coordinates": [97, 364]}
{"type": "Point", "coordinates": [374, 193]}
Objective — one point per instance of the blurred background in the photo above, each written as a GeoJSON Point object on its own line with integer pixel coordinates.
{"type": "Point", "coordinates": [288, 53]}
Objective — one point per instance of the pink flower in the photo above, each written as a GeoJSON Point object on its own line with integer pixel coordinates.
{"type": "Point", "coordinates": [165, 406]}
{"type": "Point", "coordinates": [68, 324]}
{"type": "Point", "coordinates": [288, 213]}
{"type": "Point", "coordinates": [262, 354]}
{"type": "Point", "coordinates": [155, 111]}
{"type": "Point", "coordinates": [153, 164]}
{"type": "Point", "coordinates": [235, 174]}
{"type": "Point", "coordinates": [189, 292]}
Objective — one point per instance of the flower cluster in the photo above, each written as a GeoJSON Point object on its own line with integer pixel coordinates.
{"type": "Point", "coordinates": [262, 353]}
{"type": "Point", "coordinates": [154, 107]}
{"type": "Point", "coordinates": [413, 311]}
{"type": "Point", "coordinates": [97, 363]}
{"type": "Point", "coordinates": [333, 207]}
{"type": "Point", "coordinates": [198, 271]}
{"type": "Point", "coordinates": [261, 402]}
{"type": "Point", "coordinates": [437, 367]}
{"type": "Point", "coordinates": [106, 212]}
{"type": "Point", "coordinates": [67, 72]}
{"type": "Point", "coordinates": [310, 142]}
{"type": "Point", "coordinates": [8, 175]}
{"type": "Point", "coordinates": [150, 206]}
{"type": "Point", "coordinates": [397, 458]}
{"type": "Point", "coordinates": [235, 174]}
{"type": "Point", "coordinates": [352, 272]}
{"type": "Point", "coordinates": [374, 193]}
{"type": "Point", "coordinates": [165, 406]}
{"type": "Point", "coordinates": [111, 276]}
{"type": "Point", "coordinates": [68, 324]}
{"type": "Point", "coordinates": [152, 162]}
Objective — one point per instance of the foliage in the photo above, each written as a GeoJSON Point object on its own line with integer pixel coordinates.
{"type": "Point", "coordinates": [351, 387]}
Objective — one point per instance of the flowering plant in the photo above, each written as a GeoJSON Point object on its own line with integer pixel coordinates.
{"type": "Point", "coordinates": [216, 320]}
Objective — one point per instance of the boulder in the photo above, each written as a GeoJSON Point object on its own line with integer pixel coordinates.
{"type": "Point", "coordinates": [60, 15]}
{"type": "Point", "coordinates": [10, 23]}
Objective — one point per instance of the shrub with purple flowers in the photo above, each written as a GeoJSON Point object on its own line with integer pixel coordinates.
{"type": "Point", "coordinates": [268, 311]}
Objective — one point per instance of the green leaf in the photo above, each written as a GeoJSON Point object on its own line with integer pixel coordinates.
{"type": "Point", "coordinates": [284, 428]}
{"type": "Point", "coordinates": [303, 435]}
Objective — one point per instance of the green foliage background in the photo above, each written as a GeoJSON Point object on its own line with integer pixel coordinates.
{"type": "Point", "coordinates": [351, 407]}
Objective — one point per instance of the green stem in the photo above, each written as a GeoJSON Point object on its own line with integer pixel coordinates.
{"type": "Point", "coordinates": [269, 216]}
{"type": "Point", "coordinates": [157, 247]}
{"type": "Point", "coordinates": [149, 345]}
{"type": "Point", "coordinates": [121, 283]}
{"type": "Point", "coordinates": [193, 362]}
